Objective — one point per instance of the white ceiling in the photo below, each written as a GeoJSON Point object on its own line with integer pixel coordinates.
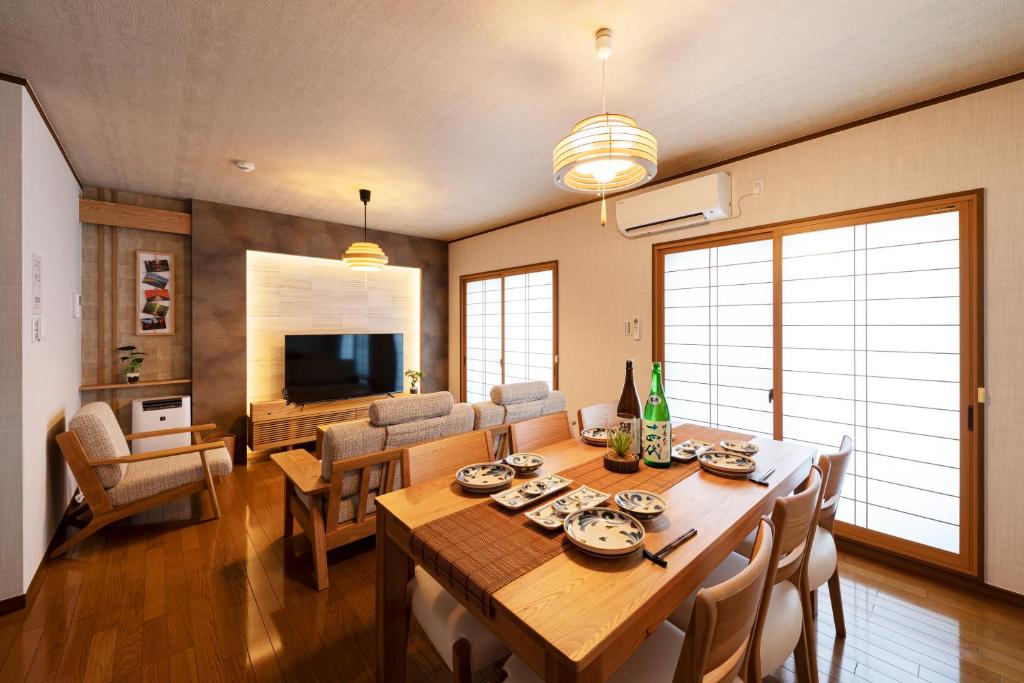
{"type": "Point", "coordinates": [448, 110]}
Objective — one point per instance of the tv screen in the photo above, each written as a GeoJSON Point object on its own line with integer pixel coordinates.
{"type": "Point", "coordinates": [321, 367]}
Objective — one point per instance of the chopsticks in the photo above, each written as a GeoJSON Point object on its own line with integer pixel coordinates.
{"type": "Point", "coordinates": [658, 558]}
{"type": "Point", "coordinates": [763, 479]}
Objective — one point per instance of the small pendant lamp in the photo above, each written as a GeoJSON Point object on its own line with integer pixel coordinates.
{"type": "Point", "coordinates": [606, 151]}
{"type": "Point", "coordinates": [364, 255]}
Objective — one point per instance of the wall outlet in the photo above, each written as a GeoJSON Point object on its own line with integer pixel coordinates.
{"type": "Point", "coordinates": [758, 188]}
{"type": "Point", "coordinates": [76, 305]}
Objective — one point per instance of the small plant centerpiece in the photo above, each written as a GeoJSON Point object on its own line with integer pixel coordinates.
{"type": "Point", "coordinates": [131, 362]}
{"type": "Point", "coordinates": [620, 456]}
{"type": "Point", "coordinates": [414, 380]}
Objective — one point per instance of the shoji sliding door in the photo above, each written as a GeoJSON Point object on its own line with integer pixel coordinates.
{"type": "Point", "coordinates": [718, 336]}
{"type": "Point", "coordinates": [509, 328]}
{"type": "Point", "coordinates": [874, 327]}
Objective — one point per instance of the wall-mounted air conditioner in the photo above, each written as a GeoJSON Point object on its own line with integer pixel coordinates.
{"type": "Point", "coordinates": [682, 205]}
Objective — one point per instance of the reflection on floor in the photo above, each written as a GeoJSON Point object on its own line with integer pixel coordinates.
{"type": "Point", "coordinates": [168, 600]}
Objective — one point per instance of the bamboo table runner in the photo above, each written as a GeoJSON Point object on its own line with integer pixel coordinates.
{"type": "Point", "coordinates": [479, 550]}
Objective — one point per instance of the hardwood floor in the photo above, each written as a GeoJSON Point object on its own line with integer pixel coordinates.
{"type": "Point", "coordinates": [161, 598]}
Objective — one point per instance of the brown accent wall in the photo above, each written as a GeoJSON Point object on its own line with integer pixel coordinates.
{"type": "Point", "coordinates": [109, 305]}
{"type": "Point", "coordinates": [221, 235]}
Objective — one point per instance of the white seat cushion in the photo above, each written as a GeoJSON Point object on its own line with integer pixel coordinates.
{"type": "Point", "coordinates": [445, 621]}
{"type": "Point", "coordinates": [822, 563]}
{"type": "Point", "coordinates": [732, 565]}
{"type": "Point", "coordinates": [653, 662]}
{"type": "Point", "coordinates": [149, 477]}
{"type": "Point", "coordinates": [782, 626]}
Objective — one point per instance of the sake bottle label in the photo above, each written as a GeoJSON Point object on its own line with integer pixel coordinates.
{"type": "Point", "coordinates": [657, 441]}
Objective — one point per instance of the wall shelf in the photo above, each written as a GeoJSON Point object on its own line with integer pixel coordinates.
{"type": "Point", "coordinates": [147, 383]}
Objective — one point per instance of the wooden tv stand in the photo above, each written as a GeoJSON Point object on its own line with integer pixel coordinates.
{"type": "Point", "coordinates": [274, 424]}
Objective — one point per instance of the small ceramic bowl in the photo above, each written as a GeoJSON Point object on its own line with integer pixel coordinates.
{"type": "Point", "coordinates": [641, 504]}
{"type": "Point", "coordinates": [534, 488]}
{"type": "Point", "coordinates": [524, 463]}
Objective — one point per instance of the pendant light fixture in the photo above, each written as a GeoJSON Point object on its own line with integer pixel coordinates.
{"type": "Point", "coordinates": [365, 255]}
{"type": "Point", "coordinates": [607, 151]}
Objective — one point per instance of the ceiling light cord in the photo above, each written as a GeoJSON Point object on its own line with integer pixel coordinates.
{"type": "Point", "coordinates": [364, 221]}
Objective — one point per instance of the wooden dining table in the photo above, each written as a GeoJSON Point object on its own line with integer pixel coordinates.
{"type": "Point", "coordinates": [578, 617]}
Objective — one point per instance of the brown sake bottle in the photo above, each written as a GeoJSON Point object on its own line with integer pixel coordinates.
{"type": "Point", "coordinates": [628, 408]}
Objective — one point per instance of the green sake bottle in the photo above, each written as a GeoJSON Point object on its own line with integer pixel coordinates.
{"type": "Point", "coordinates": [657, 424]}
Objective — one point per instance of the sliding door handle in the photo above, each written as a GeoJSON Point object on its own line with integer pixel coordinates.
{"type": "Point", "coordinates": [771, 395]}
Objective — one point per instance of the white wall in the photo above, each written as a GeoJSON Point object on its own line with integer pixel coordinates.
{"type": "Point", "coordinates": [51, 369]}
{"type": "Point", "coordinates": [967, 143]}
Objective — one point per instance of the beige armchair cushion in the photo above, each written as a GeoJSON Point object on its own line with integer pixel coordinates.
{"type": "Point", "coordinates": [393, 411]}
{"type": "Point", "coordinates": [102, 439]}
{"type": "Point", "coordinates": [149, 477]}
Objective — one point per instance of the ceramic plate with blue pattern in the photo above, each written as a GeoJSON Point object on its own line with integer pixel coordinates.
{"type": "Point", "coordinates": [604, 532]}
{"type": "Point", "coordinates": [551, 516]}
{"type": "Point", "coordinates": [485, 476]}
{"type": "Point", "coordinates": [530, 492]}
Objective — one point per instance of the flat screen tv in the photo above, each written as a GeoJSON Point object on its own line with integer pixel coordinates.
{"type": "Point", "coordinates": [323, 367]}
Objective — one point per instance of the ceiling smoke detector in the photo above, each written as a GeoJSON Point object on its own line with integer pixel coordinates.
{"type": "Point", "coordinates": [245, 166]}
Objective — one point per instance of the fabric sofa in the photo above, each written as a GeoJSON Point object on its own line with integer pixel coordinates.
{"type": "Point", "coordinates": [392, 423]}
{"type": "Point", "coordinates": [514, 403]}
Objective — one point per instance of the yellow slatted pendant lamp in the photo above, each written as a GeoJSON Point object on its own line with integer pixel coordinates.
{"type": "Point", "coordinates": [606, 151]}
{"type": "Point", "coordinates": [365, 256]}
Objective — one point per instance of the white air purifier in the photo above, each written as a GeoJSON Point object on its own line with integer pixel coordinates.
{"type": "Point", "coordinates": [165, 412]}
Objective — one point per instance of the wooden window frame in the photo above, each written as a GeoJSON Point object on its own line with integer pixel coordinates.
{"type": "Point", "coordinates": [503, 273]}
{"type": "Point", "coordinates": [970, 204]}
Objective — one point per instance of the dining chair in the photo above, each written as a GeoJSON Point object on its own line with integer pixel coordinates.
{"type": "Point", "coordinates": [539, 432]}
{"type": "Point", "coordinates": [444, 457]}
{"type": "Point", "coordinates": [596, 415]}
{"type": "Point", "coordinates": [823, 564]}
{"type": "Point", "coordinates": [464, 643]}
{"type": "Point", "coordinates": [785, 623]}
{"type": "Point", "coordinates": [716, 648]}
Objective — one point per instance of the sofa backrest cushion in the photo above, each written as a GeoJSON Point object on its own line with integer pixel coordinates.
{"type": "Point", "coordinates": [519, 392]}
{"type": "Point", "coordinates": [488, 414]}
{"type": "Point", "coordinates": [347, 440]}
{"type": "Point", "coordinates": [102, 439]}
{"type": "Point", "coordinates": [359, 437]}
{"type": "Point", "coordinates": [392, 411]}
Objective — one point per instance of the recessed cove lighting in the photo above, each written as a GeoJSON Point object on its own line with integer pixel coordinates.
{"type": "Point", "coordinates": [245, 166]}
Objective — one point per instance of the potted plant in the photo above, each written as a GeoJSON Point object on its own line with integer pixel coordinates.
{"type": "Point", "coordinates": [131, 361]}
{"type": "Point", "coordinates": [414, 380]}
{"type": "Point", "coordinates": [620, 456]}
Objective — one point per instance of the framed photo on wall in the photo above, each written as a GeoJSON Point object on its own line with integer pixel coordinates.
{"type": "Point", "coordinates": [154, 293]}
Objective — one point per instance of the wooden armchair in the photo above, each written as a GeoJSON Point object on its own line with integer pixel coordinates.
{"type": "Point", "coordinates": [115, 484]}
{"type": "Point", "coordinates": [335, 513]}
